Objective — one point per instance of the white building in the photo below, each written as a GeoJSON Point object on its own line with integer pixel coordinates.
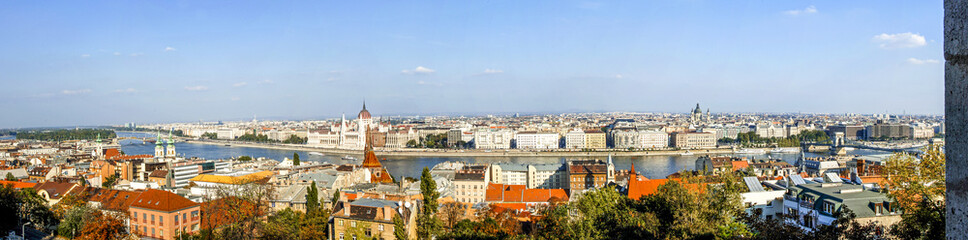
{"type": "Point", "coordinates": [652, 139]}
{"type": "Point", "coordinates": [344, 135]}
{"type": "Point", "coordinates": [493, 138]}
{"type": "Point", "coordinates": [536, 140]}
{"type": "Point", "coordinates": [575, 139]}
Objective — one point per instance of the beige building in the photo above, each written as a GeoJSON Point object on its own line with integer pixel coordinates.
{"type": "Point", "coordinates": [371, 218]}
{"type": "Point", "coordinates": [470, 183]}
{"type": "Point", "coordinates": [694, 140]}
{"type": "Point", "coordinates": [594, 139]}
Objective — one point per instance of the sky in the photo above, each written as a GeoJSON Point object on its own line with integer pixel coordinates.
{"type": "Point", "coordinates": [67, 63]}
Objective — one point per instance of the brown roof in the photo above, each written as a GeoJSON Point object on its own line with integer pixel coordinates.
{"type": "Point", "coordinates": [469, 176]}
{"type": "Point", "coordinates": [160, 173]}
{"type": "Point", "coordinates": [588, 169]}
{"type": "Point", "coordinates": [162, 201]}
{"type": "Point", "coordinates": [56, 190]}
{"type": "Point", "coordinates": [114, 200]}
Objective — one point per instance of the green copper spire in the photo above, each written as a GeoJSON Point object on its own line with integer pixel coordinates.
{"type": "Point", "coordinates": [158, 142]}
{"type": "Point", "coordinates": [171, 140]}
{"type": "Point", "coordinates": [98, 138]}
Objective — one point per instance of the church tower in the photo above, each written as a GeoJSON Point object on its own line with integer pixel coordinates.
{"type": "Point", "coordinates": [159, 149]}
{"type": "Point", "coordinates": [171, 145]}
{"type": "Point", "coordinates": [100, 150]}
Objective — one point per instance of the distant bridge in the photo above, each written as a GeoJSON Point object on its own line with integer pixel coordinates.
{"type": "Point", "coordinates": [912, 148]}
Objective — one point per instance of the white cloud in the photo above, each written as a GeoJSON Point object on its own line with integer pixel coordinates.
{"type": "Point", "coordinates": [619, 76]}
{"type": "Point", "coordinates": [421, 83]}
{"type": "Point", "coordinates": [267, 81]}
{"type": "Point", "coordinates": [493, 71]}
{"type": "Point", "coordinates": [196, 88]}
{"type": "Point", "coordinates": [136, 54]}
{"type": "Point", "coordinates": [235, 98]}
{"type": "Point", "coordinates": [75, 91]}
{"type": "Point", "coordinates": [900, 40]}
{"type": "Point", "coordinates": [419, 70]}
{"type": "Point", "coordinates": [169, 49]}
{"type": "Point", "coordinates": [922, 61]}
{"type": "Point", "coordinates": [809, 10]}
{"type": "Point", "coordinates": [117, 54]}
{"type": "Point", "coordinates": [127, 90]}
{"type": "Point", "coordinates": [239, 84]}
{"type": "Point", "coordinates": [85, 55]}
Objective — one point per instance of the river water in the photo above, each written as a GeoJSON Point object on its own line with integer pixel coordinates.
{"type": "Point", "coordinates": [650, 166]}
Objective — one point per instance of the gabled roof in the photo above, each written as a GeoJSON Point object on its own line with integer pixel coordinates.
{"type": "Point", "coordinates": [163, 201]}
{"type": "Point", "coordinates": [519, 193]}
{"type": "Point", "coordinates": [56, 190]}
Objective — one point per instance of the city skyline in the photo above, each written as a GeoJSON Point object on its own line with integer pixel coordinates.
{"type": "Point", "coordinates": [116, 62]}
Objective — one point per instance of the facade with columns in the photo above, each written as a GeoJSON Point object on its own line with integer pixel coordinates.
{"type": "Point", "coordinates": [345, 134]}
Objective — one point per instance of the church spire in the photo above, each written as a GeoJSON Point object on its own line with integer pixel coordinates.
{"type": "Point", "coordinates": [364, 104]}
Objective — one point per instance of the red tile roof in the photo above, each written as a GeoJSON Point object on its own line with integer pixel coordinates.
{"type": "Point", "coordinates": [738, 165]}
{"type": "Point", "coordinates": [114, 200]}
{"type": "Point", "coordinates": [18, 185]}
{"type": "Point", "coordinates": [162, 201]}
{"type": "Point", "coordinates": [518, 193]}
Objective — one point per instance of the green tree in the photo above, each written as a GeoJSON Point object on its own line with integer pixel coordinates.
{"type": "Point", "coordinates": [335, 196]}
{"type": "Point", "coordinates": [295, 159]}
{"type": "Point", "coordinates": [210, 135]}
{"type": "Point", "coordinates": [412, 143]}
{"type": "Point", "coordinates": [427, 224]}
{"type": "Point", "coordinates": [245, 158]}
{"type": "Point", "coordinates": [10, 177]}
{"type": "Point", "coordinates": [110, 181]}
{"type": "Point", "coordinates": [399, 230]}
{"type": "Point", "coordinates": [312, 198]}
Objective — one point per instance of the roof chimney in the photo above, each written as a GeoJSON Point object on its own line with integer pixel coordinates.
{"type": "Point", "coordinates": [346, 209]}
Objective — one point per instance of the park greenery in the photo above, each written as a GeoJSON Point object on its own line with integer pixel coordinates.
{"type": "Point", "coordinates": [66, 134]}
{"type": "Point", "coordinates": [210, 135]}
{"type": "Point", "coordinates": [751, 139]}
{"type": "Point", "coordinates": [429, 141]}
{"type": "Point", "coordinates": [262, 138]}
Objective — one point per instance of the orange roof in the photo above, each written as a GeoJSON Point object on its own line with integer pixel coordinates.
{"type": "Point", "coordinates": [500, 207]}
{"type": "Point", "coordinates": [162, 201]}
{"type": "Point", "coordinates": [881, 181]}
{"type": "Point", "coordinates": [737, 165]}
{"type": "Point", "coordinates": [115, 200]}
{"type": "Point", "coordinates": [18, 185]}
{"type": "Point", "coordinates": [518, 193]}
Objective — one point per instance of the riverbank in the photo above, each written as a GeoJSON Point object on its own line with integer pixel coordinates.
{"type": "Point", "coordinates": [465, 152]}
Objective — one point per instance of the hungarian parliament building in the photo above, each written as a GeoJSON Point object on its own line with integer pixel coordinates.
{"type": "Point", "coordinates": [352, 134]}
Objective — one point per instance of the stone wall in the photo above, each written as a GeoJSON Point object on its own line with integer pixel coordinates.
{"type": "Point", "coordinates": [956, 115]}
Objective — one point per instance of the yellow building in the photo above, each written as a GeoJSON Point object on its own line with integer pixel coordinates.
{"type": "Point", "coordinates": [594, 139]}
{"type": "Point", "coordinates": [371, 218]}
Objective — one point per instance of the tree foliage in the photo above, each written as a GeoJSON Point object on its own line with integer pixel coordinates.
{"type": "Point", "coordinates": [918, 187]}
{"type": "Point", "coordinates": [312, 198]}
{"type": "Point", "coordinates": [103, 227]}
{"type": "Point", "coordinates": [66, 134]}
{"type": "Point", "coordinates": [428, 225]}
{"type": "Point", "coordinates": [295, 159]}
{"type": "Point", "coordinates": [293, 139]}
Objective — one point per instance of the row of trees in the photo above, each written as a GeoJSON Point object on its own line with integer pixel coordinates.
{"type": "Point", "coordinates": [262, 138]}
{"type": "Point", "coordinates": [753, 139]}
{"type": "Point", "coordinates": [66, 134]}
{"type": "Point", "coordinates": [429, 141]}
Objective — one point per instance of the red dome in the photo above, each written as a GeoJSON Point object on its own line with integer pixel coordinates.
{"type": "Point", "coordinates": [364, 114]}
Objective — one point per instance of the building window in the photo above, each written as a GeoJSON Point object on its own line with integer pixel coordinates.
{"type": "Point", "coordinates": [176, 219]}
{"type": "Point", "coordinates": [341, 222]}
{"type": "Point", "coordinates": [353, 224]}
{"type": "Point", "coordinates": [341, 236]}
{"type": "Point", "coordinates": [381, 227]}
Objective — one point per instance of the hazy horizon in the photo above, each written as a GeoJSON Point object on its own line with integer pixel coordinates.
{"type": "Point", "coordinates": [79, 63]}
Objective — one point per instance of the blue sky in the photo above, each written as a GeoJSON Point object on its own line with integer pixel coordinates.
{"type": "Point", "coordinates": [79, 63]}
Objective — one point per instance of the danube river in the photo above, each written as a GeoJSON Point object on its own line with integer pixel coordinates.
{"type": "Point", "coordinates": [650, 166]}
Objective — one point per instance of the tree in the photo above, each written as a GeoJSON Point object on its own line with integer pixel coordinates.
{"type": "Point", "coordinates": [74, 221]}
{"type": "Point", "coordinates": [295, 159]}
{"type": "Point", "coordinates": [312, 198]}
{"type": "Point", "coordinates": [110, 181]}
{"type": "Point", "coordinates": [427, 223]}
{"type": "Point", "coordinates": [399, 231]}
{"type": "Point", "coordinates": [9, 207]}
{"type": "Point", "coordinates": [10, 177]}
{"type": "Point", "coordinates": [412, 143]}
{"type": "Point", "coordinates": [451, 213]}
{"type": "Point", "coordinates": [918, 187]}
{"type": "Point", "coordinates": [335, 196]}
{"type": "Point", "coordinates": [245, 158]}
{"type": "Point", "coordinates": [103, 227]}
